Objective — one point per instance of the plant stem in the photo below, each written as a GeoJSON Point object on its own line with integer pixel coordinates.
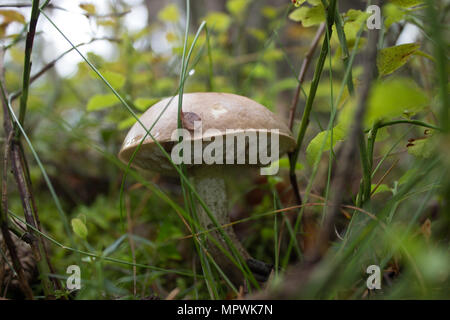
{"type": "Point", "coordinates": [302, 73]}
{"type": "Point", "coordinates": [440, 53]}
{"type": "Point", "coordinates": [27, 63]}
{"type": "Point", "coordinates": [314, 85]}
{"type": "Point", "coordinates": [414, 122]}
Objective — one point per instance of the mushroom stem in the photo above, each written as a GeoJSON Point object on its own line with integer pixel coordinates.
{"type": "Point", "coordinates": [209, 182]}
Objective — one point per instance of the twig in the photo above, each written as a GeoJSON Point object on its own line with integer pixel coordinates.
{"type": "Point", "coordinates": [25, 287]}
{"type": "Point", "coordinates": [348, 155]}
{"type": "Point", "coordinates": [413, 122]}
{"type": "Point", "coordinates": [27, 5]}
{"type": "Point", "coordinates": [293, 156]}
{"type": "Point", "coordinates": [52, 63]}
{"type": "Point", "coordinates": [301, 76]}
{"type": "Point", "coordinates": [383, 177]}
{"type": "Point", "coordinates": [315, 83]}
{"type": "Point", "coordinates": [27, 62]}
{"type": "Point", "coordinates": [300, 274]}
{"type": "Point", "coordinates": [20, 175]}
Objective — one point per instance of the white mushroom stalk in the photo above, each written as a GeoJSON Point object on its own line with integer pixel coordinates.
{"type": "Point", "coordinates": [210, 184]}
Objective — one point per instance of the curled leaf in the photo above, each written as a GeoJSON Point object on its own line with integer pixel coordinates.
{"type": "Point", "coordinates": [392, 58]}
{"type": "Point", "coordinates": [88, 7]}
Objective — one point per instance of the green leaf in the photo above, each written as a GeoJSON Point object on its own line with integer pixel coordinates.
{"type": "Point", "coordinates": [394, 98]}
{"type": "Point", "coordinates": [144, 103]}
{"type": "Point", "coordinates": [79, 228]}
{"type": "Point", "coordinates": [101, 101]}
{"type": "Point", "coordinates": [381, 188]}
{"type": "Point", "coordinates": [169, 13]}
{"type": "Point", "coordinates": [284, 164]}
{"type": "Point", "coordinates": [285, 84]}
{"type": "Point", "coordinates": [260, 71]}
{"type": "Point", "coordinates": [308, 16]}
{"type": "Point", "coordinates": [237, 7]}
{"type": "Point", "coordinates": [270, 55]}
{"type": "Point", "coordinates": [313, 149]}
{"type": "Point", "coordinates": [257, 33]}
{"type": "Point", "coordinates": [314, 2]}
{"type": "Point", "coordinates": [421, 148]}
{"type": "Point", "coordinates": [125, 124]}
{"type": "Point", "coordinates": [269, 12]}
{"type": "Point", "coordinates": [168, 231]}
{"type": "Point", "coordinates": [406, 3]}
{"type": "Point", "coordinates": [392, 14]}
{"type": "Point", "coordinates": [353, 20]}
{"type": "Point", "coordinates": [298, 3]}
{"type": "Point", "coordinates": [115, 79]}
{"type": "Point", "coordinates": [165, 85]}
{"type": "Point", "coordinates": [392, 58]}
{"type": "Point", "coordinates": [218, 21]}
{"type": "Point", "coordinates": [425, 55]}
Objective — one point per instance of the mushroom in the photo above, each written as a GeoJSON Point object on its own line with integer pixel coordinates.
{"type": "Point", "coordinates": [223, 118]}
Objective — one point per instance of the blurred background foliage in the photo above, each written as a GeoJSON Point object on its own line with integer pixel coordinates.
{"type": "Point", "coordinates": [256, 48]}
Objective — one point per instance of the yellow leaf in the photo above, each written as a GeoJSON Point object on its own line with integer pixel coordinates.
{"type": "Point", "coordinates": [171, 37]}
{"type": "Point", "coordinates": [218, 21]}
{"type": "Point", "coordinates": [237, 7]}
{"type": "Point", "coordinates": [11, 16]}
{"type": "Point", "coordinates": [308, 16]}
{"type": "Point", "coordinates": [3, 27]}
{"type": "Point", "coordinates": [169, 14]}
{"type": "Point", "coordinates": [88, 7]}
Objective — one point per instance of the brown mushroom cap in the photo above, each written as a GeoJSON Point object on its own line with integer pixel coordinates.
{"type": "Point", "coordinates": [219, 111]}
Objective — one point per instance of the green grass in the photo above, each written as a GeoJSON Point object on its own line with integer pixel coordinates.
{"type": "Point", "coordinates": [386, 229]}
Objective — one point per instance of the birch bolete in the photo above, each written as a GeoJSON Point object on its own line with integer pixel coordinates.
{"type": "Point", "coordinates": [223, 135]}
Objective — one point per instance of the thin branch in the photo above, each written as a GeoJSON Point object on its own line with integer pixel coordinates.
{"type": "Point", "coordinates": [413, 122]}
{"type": "Point", "coordinates": [301, 76]}
{"type": "Point", "coordinates": [27, 5]}
{"type": "Point", "coordinates": [293, 156]}
{"type": "Point", "coordinates": [383, 177]}
{"type": "Point", "coordinates": [314, 85]}
{"type": "Point", "coordinates": [18, 166]}
{"type": "Point", "coordinates": [25, 287]}
{"type": "Point", "coordinates": [52, 63]}
{"type": "Point", "coordinates": [296, 280]}
{"type": "Point", "coordinates": [27, 61]}
{"type": "Point", "coordinates": [348, 155]}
